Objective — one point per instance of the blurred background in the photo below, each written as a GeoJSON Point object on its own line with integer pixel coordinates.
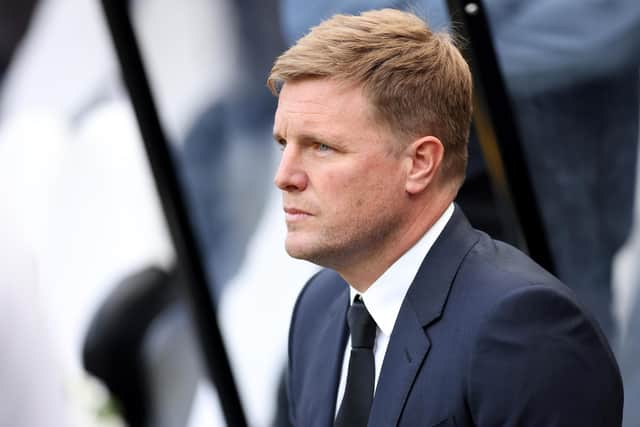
{"type": "Point", "coordinates": [94, 322]}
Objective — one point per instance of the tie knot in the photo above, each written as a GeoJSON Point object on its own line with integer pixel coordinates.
{"type": "Point", "coordinates": [361, 325]}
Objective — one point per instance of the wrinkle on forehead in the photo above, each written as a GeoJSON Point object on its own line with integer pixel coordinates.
{"type": "Point", "coordinates": [315, 103]}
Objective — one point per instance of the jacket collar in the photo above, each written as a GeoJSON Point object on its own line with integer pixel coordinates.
{"type": "Point", "coordinates": [430, 288]}
{"type": "Point", "coordinates": [423, 305]}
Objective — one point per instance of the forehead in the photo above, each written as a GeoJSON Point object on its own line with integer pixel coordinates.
{"type": "Point", "coordinates": [309, 104]}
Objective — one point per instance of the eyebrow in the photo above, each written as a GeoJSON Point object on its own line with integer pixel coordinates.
{"type": "Point", "coordinates": [307, 137]}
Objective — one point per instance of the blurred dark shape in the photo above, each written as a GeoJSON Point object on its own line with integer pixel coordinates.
{"type": "Point", "coordinates": [14, 21]}
{"type": "Point", "coordinates": [629, 359]}
{"type": "Point", "coordinates": [113, 350]}
{"type": "Point", "coordinates": [281, 417]}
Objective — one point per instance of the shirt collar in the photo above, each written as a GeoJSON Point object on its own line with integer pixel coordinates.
{"type": "Point", "coordinates": [384, 297]}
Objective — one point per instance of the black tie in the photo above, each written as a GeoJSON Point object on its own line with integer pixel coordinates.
{"type": "Point", "coordinates": [358, 394]}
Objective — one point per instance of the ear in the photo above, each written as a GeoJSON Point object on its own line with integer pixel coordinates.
{"type": "Point", "coordinates": [425, 155]}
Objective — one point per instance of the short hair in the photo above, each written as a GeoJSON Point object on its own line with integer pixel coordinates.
{"type": "Point", "coordinates": [416, 80]}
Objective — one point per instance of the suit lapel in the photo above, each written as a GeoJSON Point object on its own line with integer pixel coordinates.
{"type": "Point", "coordinates": [327, 362]}
{"type": "Point", "coordinates": [407, 349]}
{"type": "Point", "coordinates": [423, 305]}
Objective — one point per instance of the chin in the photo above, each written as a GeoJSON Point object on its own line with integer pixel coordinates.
{"type": "Point", "coordinates": [296, 250]}
{"type": "Point", "coordinates": [326, 257]}
{"type": "Point", "coordinates": [303, 250]}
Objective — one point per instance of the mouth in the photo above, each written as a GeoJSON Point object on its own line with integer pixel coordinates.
{"type": "Point", "coordinates": [294, 214]}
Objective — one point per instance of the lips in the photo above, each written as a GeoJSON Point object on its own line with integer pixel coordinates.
{"type": "Point", "coordinates": [295, 211]}
{"type": "Point", "coordinates": [295, 214]}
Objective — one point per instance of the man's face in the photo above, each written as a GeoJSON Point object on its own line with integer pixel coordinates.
{"type": "Point", "coordinates": [341, 174]}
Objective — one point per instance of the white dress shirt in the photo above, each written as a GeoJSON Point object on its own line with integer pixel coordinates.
{"type": "Point", "coordinates": [385, 296]}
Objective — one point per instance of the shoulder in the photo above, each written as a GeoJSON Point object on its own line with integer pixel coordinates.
{"type": "Point", "coordinates": [321, 292]}
{"type": "Point", "coordinates": [316, 315]}
{"type": "Point", "coordinates": [492, 271]}
{"type": "Point", "coordinates": [511, 291]}
{"type": "Point", "coordinates": [318, 293]}
{"type": "Point", "coordinates": [534, 346]}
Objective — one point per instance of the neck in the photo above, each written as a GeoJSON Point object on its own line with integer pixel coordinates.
{"type": "Point", "coordinates": [361, 272]}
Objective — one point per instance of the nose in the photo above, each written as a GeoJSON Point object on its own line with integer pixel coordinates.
{"type": "Point", "coordinates": [290, 175]}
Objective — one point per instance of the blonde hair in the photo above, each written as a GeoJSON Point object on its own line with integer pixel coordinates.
{"type": "Point", "coordinates": [416, 80]}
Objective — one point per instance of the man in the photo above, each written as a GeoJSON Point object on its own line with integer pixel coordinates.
{"type": "Point", "coordinates": [446, 327]}
{"type": "Point", "coordinates": [561, 62]}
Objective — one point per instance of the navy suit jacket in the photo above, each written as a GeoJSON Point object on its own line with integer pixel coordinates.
{"type": "Point", "coordinates": [484, 337]}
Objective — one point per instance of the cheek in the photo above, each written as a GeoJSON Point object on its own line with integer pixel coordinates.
{"type": "Point", "coordinates": [343, 191]}
{"type": "Point", "coordinates": [336, 184]}
{"type": "Point", "coordinates": [370, 192]}
{"type": "Point", "coordinates": [360, 186]}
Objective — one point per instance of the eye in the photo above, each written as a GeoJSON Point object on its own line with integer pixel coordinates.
{"type": "Point", "coordinates": [323, 147]}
